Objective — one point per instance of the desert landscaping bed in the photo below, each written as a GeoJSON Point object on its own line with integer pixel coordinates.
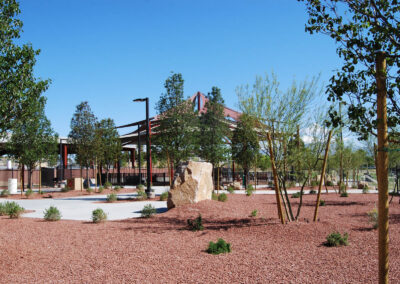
{"type": "Point", "coordinates": [162, 250]}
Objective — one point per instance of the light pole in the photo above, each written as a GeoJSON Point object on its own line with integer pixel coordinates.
{"type": "Point", "coordinates": [148, 189]}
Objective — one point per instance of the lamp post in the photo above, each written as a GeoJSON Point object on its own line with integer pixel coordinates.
{"type": "Point", "coordinates": [148, 189]}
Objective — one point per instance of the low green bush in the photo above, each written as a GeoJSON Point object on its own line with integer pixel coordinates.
{"type": "Point", "coordinates": [141, 194]}
{"type": "Point", "coordinates": [313, 191]}
{"type": "Point", "coordinates": [296, 195]}
{"type": "Point", "coordinates": [329, 183]}
{"type": "Point", "coordinates": [3, 209]}
{"type": "Point", "coordinates": [322, 202]}
{"type": "Point", "coordinates": [220, 246]}
{"type": "Point", "coordinates": [140, 187]}
{"type": "Point", "coordinates": [336, 239]}
{"type": "Point", "coordinates": [231, 189]}
{"type": "Point", "coordinates": [254, 213]}
{"type": "Point", "coordinates": [5, 193]}
{"type": "Point", "coordinates": [52, 214]}
{"type": "Point", "coordinates": [195, 224]}
{"type": "Point", "coordinates": [344, 194]}
{"type": "Point", "coordinates": [164, 196]}
{"type": "Point", "coordinates": [148, 211]}
{"type": "Point", "coordinates": [222, 197]}
{"type": "Point", "coordinates": [98, 215]}
{"type": "Point", "coordinates": [112, 197]}
{"type": "Point", "coordinates": [343, 188]}
{"type": "Point", "coordinates": [89, 190]}
{"type": "Point", "coordinates": [373, 218]}
{"type": "Point", "coordinates": [100, 189]}
{"type": "Point", "coordinates": [365, 190]}
{"type": "Point", "coordinates": [214, 196]}
{"type": "Point", "coordinates": [13, 209]}
{"type": "Point", "coordinates": [28, 192]}
{"type": "Point", "coordinates": [249, 190]}
{"type": "Point", "coordinates": [117, 188]}
{"type": "Point", "coordinates": [107, 185]}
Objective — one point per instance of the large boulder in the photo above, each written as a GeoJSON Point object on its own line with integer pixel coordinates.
{"type": "Point", "coordinates": [192, 183]}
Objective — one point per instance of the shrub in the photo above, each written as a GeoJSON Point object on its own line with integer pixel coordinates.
{"type": "Point", "coordinates": [148, 211]}
{"type": "Point", "coordinates": [5, 193]}
{"type": "Point", "coordinates": [164, 196]}
{"type": "Point", "coordinates": [313, 191]}
{"type": "Point", "coordinates": [52, 214]}
{"type": "Point", "coordinates": [343, 188]}
{"type": "Point", "coordinates": [3, 209]}
{"type": "Point", "coordinates": [365, 190]}
{"type": "Point", "coordinates": [344, 194]}
{"type": "Point", "coordinates": [141, 194]}
{"type": "Point", "coordinates": [296, 195]}
{"type": "Point", "coordinates": [117, 188]}
{"type": "Point", "coordinates": [329, 183]}
{"type": "Point", "coordinates": [322, 202]}
{"type": "Point", "coordinates": [112, 197]}
{"type": "Point", "coordinates": [140, 187]}
{"type": "Point", "coordinates": [101, 189]}
{"type": "Point", "coordinates": [13, 209]}
{"type": "Point", "coordinates": [195, 224]}
{"type": "Point", "coordinates": [249, 190]}
{"type": "Point", "coordinates": [214, 196]}
{"type": "Point", "coordinates": [336, 239]}
{"type": "Point", "coordinates": [314, 183]}
{"type": "Point", "coordinates": [98, 215]}
{"type": "Point", "coordinates": [107, 185]}
{"type": "Point", "coordinates": [219, 247]}
{"type": "Point", "coordinates": [89, 190]}
{"type": "Point", "coordinates": [373, 218]}
{"type": "Point", "coordinates": [254, 213]}
{"type": "Point", "coordinates": [28, 192]}
{"type": "Point", "coordinates": [222, 197]}
{"type": "Point", "coordinates": [231, 189]}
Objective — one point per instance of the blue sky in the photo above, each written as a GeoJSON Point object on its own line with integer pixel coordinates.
{"type": "Point", "coordinates": [110, 52]}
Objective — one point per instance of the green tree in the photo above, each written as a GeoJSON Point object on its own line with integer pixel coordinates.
{"type": "Point", "coordinates": [107, 144]}
{"type": "Point", "coordinates": [360, 28]}
{"type": "Point", "coordinates": [82, 135]}
{"type": "Point", "coordinates": [19, 89]}
{"type": "Point", "coordinates": [213, 129]}
{"type": "Point", "coordinates": [177, 122]}
{"type": "Point", "coordinates": [34, 141]}
{"type": "Point", "coordinates": [245, 144]}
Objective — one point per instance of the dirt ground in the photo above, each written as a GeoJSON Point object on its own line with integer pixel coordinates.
{"type": "Point", "coordinates": [162, 250]}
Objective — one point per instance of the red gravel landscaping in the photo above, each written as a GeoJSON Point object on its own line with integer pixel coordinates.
{"type": "Point", "coordinates": [162, 250]}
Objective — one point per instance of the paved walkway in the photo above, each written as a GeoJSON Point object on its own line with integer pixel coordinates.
{"type": "Point", "coordinates": [81, 207]}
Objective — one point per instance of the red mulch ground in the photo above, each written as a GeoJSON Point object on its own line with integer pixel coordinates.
{"type": "Point", "coordinates": [162, 250]}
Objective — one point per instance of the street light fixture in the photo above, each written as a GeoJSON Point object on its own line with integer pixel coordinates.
{"type": "Point", "coordinates": [148, 189]}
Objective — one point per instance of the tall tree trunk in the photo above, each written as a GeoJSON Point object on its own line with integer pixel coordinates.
{"type": "Point", "coordinates": [81, 178]}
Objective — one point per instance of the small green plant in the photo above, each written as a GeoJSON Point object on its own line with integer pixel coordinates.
{"type": "Point", "coordinates": [107, 185]}
{"type": "Point", "coordinates": [112, 197]}
{"type": "Point", "coordinates": [140, 187]}
{"type": "Point", "coordinates": [5, 193]}
{"type": "Point", "coordinates": [220, 246]}
{"type": "Point", "coordinates": [336, 239]}
{"type": "Point", "coordinates": [313, 191]}
{"type": "Point", "coordinates": [343, 188]}
{"type": "Point", "coordinates": [322, 202]}
{"type": "Point", "coordinates": [100, 189]}
{"type": "Point", "coordinates": [89, 190]}
{"type": "Point", "coordinates": [373, 218]}
{"type": "Point", "coordinates": [231, 189]}
{"type": "Point", "coordinates": [365, 190]}
{"type": "Point", "coordinates": [249, 190]}
{"type": "Point", "coordinates": [164, 196]}
{"type": "Point", "coordinates": [329, 183]}
{"type": "Point", "coordinates": [195, 224]}
{"type": "Point", "coordinates": [52, 214]}
{"type": "Point", "coordinates": [117, 188]}
{"type": "Point", "coordinates": [148, 211]}
{"type": "Point", "coordinates": [296, 195]}
{"type": "Point", "coordinates": [98, 215]}
{"type": "Point", "coordinates": [254, 213]}
{"type": "Point", "coordinates": [28, 192]}
{"type": "Point", "coordinates": [3, 209]}
{"type": "Point", "coordinates": [314, 183]}
{"type": "Point", "coordinates": [13, 209]}
{"type": "Point", "coordinates": [141, 194]}
{"type": "Point", "coordinates": [344, 194]}
{"type": "Point", "coordinates": [214, 196]}
{"type": "Point", "coordinates": [222, 197]}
